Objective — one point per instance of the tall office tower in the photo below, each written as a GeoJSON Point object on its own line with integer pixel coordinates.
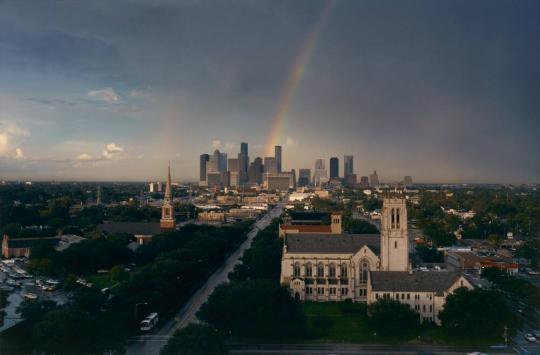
{"type": "Point", "coordinates": [334, 168]}
{"type": "Point", "coordinates": [256, 170]}
{"type": "Point", "coordinates": [304, 177]}
{"type": "Point", "coordinates": [202, 166]}
{"type": "Point", "coordinates": [320, 175]}
{"type": "Point", "coordinates": [243, 162]}
{"type": "Point", "coordinates": [167, 221]}
{"type": "Point", "coordinates": [232, 165]}
{"type": "Point", "coordinates": [159, 186]}
{"type": "Point", "coordinates": [270, 165]}
{"type": "Point", "coordinates": [407, 180]}
{"type": "Point", "coordinates": [222, 162]}
{"type": "Point", "coordinates": [348, 166]}
{"type": "Point", "coordinates": [151, 187]}
{"type": "Point", "coordinates": [374, 179]}
{"type": "Point", "coordinates": [213, 163]}
{"type": "Point", "coordinates": [277, 156]}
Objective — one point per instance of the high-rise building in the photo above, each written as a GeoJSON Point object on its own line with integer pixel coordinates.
{"type": "Point", "coordinates": [334, 168]}
{"type": "Point", "coordinates": [277, 156]}
{"type": "Point", "coordinates": [320, 175]}
{"type": "Point", "coordinates": [374, 179]}
{"type": "Point", "coordinates": [243, 162]}
{"type": "Point", "coordinates": [364, 181]}
{"type": "Point", "coordinates": [232, 165]}
{"type": "Point", "coordinates": [98, 197]}
{"type": "Point", "coordinates": [222, 162]}
{"type": "Point", "coordinates": [213, 163]}
{"type": "Point", "coordinates": [270, 165]}
{"type": "Point", "coordinates": [304, 177]}
{"type": "Point", "coordinates": [202, 166]}
{"type": "Point", "coordinates": [256, 170]}
{"type": "Point", "coordinates": [167, 221]}
{"type": "Point", "coordinates": [348, 167]}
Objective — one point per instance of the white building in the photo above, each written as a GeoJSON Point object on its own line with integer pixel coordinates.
{"type": "Point", "coordinates": [365, 267]}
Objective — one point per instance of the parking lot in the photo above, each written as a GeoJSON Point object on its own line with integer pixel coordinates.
{"type": "Point", "coordinates": [21, 286]}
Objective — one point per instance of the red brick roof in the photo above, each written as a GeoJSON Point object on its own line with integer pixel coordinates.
{"type": "Point", "coordinates": [307, 228]}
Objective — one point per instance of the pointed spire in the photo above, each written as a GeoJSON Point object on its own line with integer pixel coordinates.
{"type": "Point", "coordinates": [168, 191]}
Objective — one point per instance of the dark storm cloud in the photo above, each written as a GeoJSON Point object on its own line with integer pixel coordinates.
{"type": "Point", "coordinates": [454, 85]}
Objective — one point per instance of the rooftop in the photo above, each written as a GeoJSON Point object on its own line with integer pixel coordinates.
{"type": "Point", "coordinates": [331, 243]}
{"type": "Point", "coordinates": [135, 228]}
{"type": "Point", "coordinates": [422, 281]}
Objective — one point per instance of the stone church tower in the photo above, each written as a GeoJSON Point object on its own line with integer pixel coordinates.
{"type": "Point", "coordinates": [394, 237]}
{"type": "Point", "coordinates": [167, 222]}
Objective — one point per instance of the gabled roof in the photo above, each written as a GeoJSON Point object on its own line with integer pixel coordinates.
{"type": "Point", "coordinates": [30, 242]}
{"type": "Point", "coordinates": [307, 228]}
{"type": "Point", "coordinates": [420, 281]}
{"type": "Point", "coordinates": [331, 243]}
{"type": "Point", "coordinates": [135, 228]}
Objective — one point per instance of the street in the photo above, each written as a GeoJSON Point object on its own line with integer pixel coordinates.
{"type": "Point", "coordinates": [152, 343]}
{"type": "Point", "coordinates": [373, 349]}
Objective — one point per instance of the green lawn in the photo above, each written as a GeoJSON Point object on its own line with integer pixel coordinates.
{"type": "Point", "coordinates": [101, 281]}
{"type": "Point", "coordinates": [337, 321]}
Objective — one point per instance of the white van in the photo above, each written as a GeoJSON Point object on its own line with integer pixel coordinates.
{"type": "Point", "coordinates": [149, 322]}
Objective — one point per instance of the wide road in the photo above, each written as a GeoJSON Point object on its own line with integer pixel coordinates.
{"type": "Point", "coordinates": [153, 343]}
{"type": "Point", "coordinates": [373, 349]}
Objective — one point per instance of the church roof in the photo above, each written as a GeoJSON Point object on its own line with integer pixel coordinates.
{"type": "Point", "coordinates": [307, 228]}
{"type": "Point", "coordinates": [420, 281]}
{"type": "Point", "coordinates": [331, 243]}
{"type": "Point", "coordinates": [135, 228]}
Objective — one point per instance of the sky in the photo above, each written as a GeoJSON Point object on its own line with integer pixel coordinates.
{"type": "Point", "coordinates": [445, 91]}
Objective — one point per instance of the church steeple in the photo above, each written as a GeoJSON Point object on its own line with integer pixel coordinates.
{"type": "Point", "coordinates": [167, 222]}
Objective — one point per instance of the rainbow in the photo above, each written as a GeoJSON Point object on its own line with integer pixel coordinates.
{"type": "Point", "coordinates": [297, 71]}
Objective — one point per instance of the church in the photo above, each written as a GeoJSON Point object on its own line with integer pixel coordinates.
{"type": "Point", "coordinates": [364, 267]}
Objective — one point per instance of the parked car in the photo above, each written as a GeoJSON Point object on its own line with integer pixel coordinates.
{"type": "Point", "coordinates": [536, 333]}
{"type": "Point", "coordinates": [530, 338]}
{"type": "Point", "coordinates": [30, 296]}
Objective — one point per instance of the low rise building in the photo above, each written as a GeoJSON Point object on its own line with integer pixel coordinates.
{"type": "Point", "coordinates": [22, 247]}
{"type": "Point", "coordinates": [211, 216]}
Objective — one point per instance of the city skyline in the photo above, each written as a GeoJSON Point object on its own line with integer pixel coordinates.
{"type": "Point", "coordinates": [445, 92]}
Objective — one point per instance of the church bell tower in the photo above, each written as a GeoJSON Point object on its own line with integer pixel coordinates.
{"type": "Point", "coordinates": [394, 236]}
{"type": "Point", "coordinates": [167, 222]}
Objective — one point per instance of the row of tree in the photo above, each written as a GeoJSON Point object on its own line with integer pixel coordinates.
{"type": "Point", "coordinates": [161, 283]}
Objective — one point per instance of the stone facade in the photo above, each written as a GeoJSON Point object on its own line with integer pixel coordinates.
{"type": "Point", "coordinates": [333, 266]}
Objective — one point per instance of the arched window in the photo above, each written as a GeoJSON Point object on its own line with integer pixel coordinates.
{"type": "Point", "coordinates": [309, 270]}
{"type": "Point", "coordinates": [392, 211]}
{"type": "Point", "coordinates": [320, 270]}
{"type": "Point", "coordinates": [364, 270]}
{"type": "Point", "coordinates": [395, 245]}
{"type": "Point", "coordinates": [332, 270]}
{"type": "Point", "coordinates": [397, 218]}
{"type": "Point", "coordinates": [296, 269]}
{"type": "Point", "coordinates": [343, 271]}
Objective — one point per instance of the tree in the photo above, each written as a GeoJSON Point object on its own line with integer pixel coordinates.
{"type": "Point", "coordinates": [358, 226]}
{"type": "Point", "coordinates": [530, 250]}
{"type": "Point", "coordinates": [429, 255]}
{"type": "Point", "coordinates": [389, 318]}
{"type": "Point", "coordinates": [477, 314]}
{"type": "Point", "coordinates": [195, 339]}
{"type": "Point", "coordinates": [267, 310]}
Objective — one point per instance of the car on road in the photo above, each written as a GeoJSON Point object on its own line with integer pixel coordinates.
{"type": "Point", "coordinates": [30, 296]}
{"type": "Point", "coordinates": [530, 338]}
{"type": "Point", "coordinates": [536, 333]}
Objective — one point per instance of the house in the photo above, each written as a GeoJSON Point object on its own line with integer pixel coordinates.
{"type": "Point", "coordinates": [22, 247]}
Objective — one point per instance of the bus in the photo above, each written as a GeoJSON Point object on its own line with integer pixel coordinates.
{"type": "Point", "coordinates": [149, 322]}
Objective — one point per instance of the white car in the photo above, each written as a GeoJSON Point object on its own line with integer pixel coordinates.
{"type": "Point", "coordinates": [536, 333]}
{"type": "Point", "coordinates": [530, 338]}
{"type": "Point", "coordinates": [30, 296]}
